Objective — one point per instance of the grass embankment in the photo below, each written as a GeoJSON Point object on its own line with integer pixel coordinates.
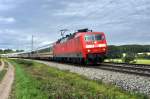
{"type": "Point", "coordinates": [3, 72]}
{"type": "Point", "coordinates": [37, 81]}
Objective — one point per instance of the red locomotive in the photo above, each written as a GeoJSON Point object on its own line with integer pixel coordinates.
{"type": "Point", "coordinates": [83, 46]}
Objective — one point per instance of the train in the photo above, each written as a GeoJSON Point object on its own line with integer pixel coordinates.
{"type": "Point", "coordinates": [83, 46]}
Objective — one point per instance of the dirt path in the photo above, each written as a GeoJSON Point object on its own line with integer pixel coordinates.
{"type": "Point", "coordinates": [2, 66]}
{"type": "Point", "coordinates": [5, 85]}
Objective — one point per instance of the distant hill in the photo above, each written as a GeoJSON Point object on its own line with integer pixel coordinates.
{"type": "Point", "coordinates": [130, 48]}
{"type": "Point", "coordinates": [116, 51]}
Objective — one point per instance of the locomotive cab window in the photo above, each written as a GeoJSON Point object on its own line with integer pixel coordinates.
{"type": "Point", "coordinates": [94, 37]}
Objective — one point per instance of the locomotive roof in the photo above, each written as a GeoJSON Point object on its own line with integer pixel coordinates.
{"type": "Point", "coordinates": [71, 36]}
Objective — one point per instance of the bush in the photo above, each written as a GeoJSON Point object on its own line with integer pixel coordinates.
{"type": "Point", "coordinates": [130, 57]}
{"type": "Point", "coordinates": [144, 56]}
{"type": "Point", "coordinates": [24, 62]}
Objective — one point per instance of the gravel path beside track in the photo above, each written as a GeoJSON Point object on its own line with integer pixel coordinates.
{"type": "Point", "coordinates": [6, 83]}
{"type": "Point", "coordinates": [131, 82]}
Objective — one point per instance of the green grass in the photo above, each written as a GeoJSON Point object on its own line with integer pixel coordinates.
{"type": "Point", "coordinates": [37, 81]}
{"type": "Point", "coordinates": [143, 61]}
{"type": "Point", "coordinates": [138, 61]}
{"type": "Point", "coordinates": [3, 72]}
{"type": "Point", "coordinates": [114, 60]}
{"type": "Point", "coordinates": [0, 62]}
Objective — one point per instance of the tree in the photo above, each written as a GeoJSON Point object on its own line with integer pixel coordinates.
{"type": "Point", "coordinates": [129, 57]}
{"type": "Point", "coordinates": [8, 51]}
{"type": "Point", "coordinates": [1, 51]}
{"type": "Point", "coordinates": [114, 52]}
{"type": "Point", "coordinates": [19, 50]}
{"type": "Point", "coordinates": [117, 51]}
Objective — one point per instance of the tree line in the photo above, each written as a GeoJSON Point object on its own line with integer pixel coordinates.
{"type": "Point", "coordinates": [6, 51]}
{"type": "Point", "coordinates": [117, 51]}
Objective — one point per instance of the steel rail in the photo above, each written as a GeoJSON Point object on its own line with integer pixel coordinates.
{"type": "Point", "coordinates": [137, 69]}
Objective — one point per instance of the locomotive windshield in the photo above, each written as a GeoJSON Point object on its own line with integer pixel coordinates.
{"type": "Point", "coordinates": [94, 37]}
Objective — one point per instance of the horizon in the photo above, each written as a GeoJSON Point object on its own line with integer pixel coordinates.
{"type": "Point", "coordinates": [108, 45]}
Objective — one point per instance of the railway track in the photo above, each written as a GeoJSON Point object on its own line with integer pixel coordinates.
{"type": "Point", "coordinates": [137, 69]}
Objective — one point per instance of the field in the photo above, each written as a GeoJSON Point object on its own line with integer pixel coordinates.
{"type": "Point", "coordinates": [114, 60]}
{"type": "Point", "coordinates": [138, 61]}
{"type": "Point", "coordinates": [143, 61]}
{"type": "Point", "coordinates": [38, 81]}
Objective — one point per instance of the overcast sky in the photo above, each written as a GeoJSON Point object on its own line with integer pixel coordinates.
{"type": "Point", "coordinates": [123, 21]}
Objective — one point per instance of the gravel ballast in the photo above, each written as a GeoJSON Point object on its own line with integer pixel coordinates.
{"type": "Point", "coordinates": [128, 82]}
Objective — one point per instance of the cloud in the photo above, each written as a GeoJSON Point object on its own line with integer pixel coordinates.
{"type": "Point", "coordinates": [15, 39]}
{"type": "Point", "coordinates": [6, 5]}
{"type": "Point", "coordinates": [7, 20]}
{"type": "Point", "coordinates": [123, 21]}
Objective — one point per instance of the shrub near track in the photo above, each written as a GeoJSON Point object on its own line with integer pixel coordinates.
{"type": "Point", "coordinates": [38, 81]}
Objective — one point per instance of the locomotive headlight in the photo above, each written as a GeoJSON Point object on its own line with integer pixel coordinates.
{"type": "Point", "coordinates": [89, 50]}
{"type": "Point", "coordinates": [95, 42]}
{"type": "Point", "coordinates": [104, 49]}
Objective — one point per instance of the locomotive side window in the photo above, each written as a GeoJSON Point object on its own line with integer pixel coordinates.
{"type": "Point", "coordinates": [94, 37]}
